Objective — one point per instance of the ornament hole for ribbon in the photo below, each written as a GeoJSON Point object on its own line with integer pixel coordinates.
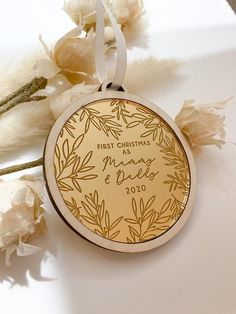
{"type": "Point", "coordinates": [107, 85]}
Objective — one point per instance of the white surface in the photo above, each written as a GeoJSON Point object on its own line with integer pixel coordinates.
{"type": "Point", "coordinates": [194, 273]}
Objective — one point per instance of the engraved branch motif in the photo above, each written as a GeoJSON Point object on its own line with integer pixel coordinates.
{"type": "Point", "coordinates": [70, 167]}
{"type": "Point", "coordinates": [154, 125]}
{"type": "Point", "coordinates": [120, 110]}
{"type": "Point", "coordinates": [173, 156]}
{"type": "Point", "coordinates": [144, 221]}
{"type": "Point", "coordinates": [177, 208]}
{"type": "Point", "coordinates": [74, 208]}
{"type": "Point", "coordinates": [177, 159]}
{"type": "Point", "coordinates": [103, 123]}
{"type": "Point", "coordinates": [179, 181]}
{"type": "Point", "coordinates": [99, 217]}
{"type": "Point", "coordinates": [147, 221]}
{"type": "Point", "coordinates": [68, 127]}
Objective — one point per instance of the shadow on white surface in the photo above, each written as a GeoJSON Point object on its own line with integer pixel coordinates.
{"type": "Point", "coordinates": [22, 267]}
{"type": "Point", "coordinates": [87, 270]}
{"type": "Point", "coordinates": [31, 267]}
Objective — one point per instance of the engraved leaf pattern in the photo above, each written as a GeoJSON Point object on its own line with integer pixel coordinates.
{"type": "Point", "coordinates": [153, 124]}
{"type": "Point", "coordinates": [97, 216]}
{"type": "Point", "coordinates": [178, 181]}
{"type": "Point", "coordinates": [176, 158]}
{"type": "Point", "coordinates": [148, 217]}
{"type": "Point", "coordinates": [74, 208]}
{"type": "Point", "coordinates": [69, 127]}
{"type": "Point", "coordinates": [147, 221]}
{"type": "Point", "coordinates": [177, 208]}
{"type": "Point", "coordinates": [105, 123]}
{"type": "Point", "coordinates": [142, 212]}
{"type": "Point", "coordinates": [120, 109]}
{"type": "Point", "coordinates": [71, 168]}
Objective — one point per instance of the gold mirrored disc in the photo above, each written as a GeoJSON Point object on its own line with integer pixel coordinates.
{"type": "Point", "coordinates": [120, 172]}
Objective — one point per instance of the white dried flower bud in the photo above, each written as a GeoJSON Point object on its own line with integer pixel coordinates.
{"type": "Point", "coordinates": [21, 215]}
{"type": "Point", "coordinates": [202, 124]}
{"type": "Point", "coordinates": [60, 103]}
{"type": "Point", "coordinates": [75, 57]}
{"type": "Point", "coordinates": [127, 12]}
{"type": "Point", "coordinates": [82, 12]}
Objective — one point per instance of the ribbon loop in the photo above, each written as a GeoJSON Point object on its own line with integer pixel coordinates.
{"type": "Point", "coordinates": [121, 58]}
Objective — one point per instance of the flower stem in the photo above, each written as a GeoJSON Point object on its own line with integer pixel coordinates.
{"type": "Point", "coordinates": [23, 94]}
{"type": "Point", "coordinates": [27, 165]}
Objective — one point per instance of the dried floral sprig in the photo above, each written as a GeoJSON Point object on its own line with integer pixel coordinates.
{"type": "Point", "coordinates": [25, 91]}
{"type": "Point", "coordinates": [59, 103]}
{"type": "Point", "coordinates": [21, 215]}
{"type": "Point", "coordinates": [73, 56]}
{"type": "Point", "coordinates": [202, 124]}
{"type": "Point", "coordinates": [23, 94]}
{"type": "Point", "coordinates": [26, 124]}
{"type": "Point", "coordinates": [28, 165]}
{"type": "Point", "coordinates": [83, 12]}
{"type": "Point", "coordinates": [153, 71]}
{"type": "Point", "coordinates": [127, 13]}
{"type": "Point", "coordinates": [16, 73]}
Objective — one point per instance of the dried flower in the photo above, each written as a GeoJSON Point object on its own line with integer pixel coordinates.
{"type": "Point", "coordinates": [154, 72]}
{"type": "Point", "coordinates": [21, 215]}
{"type": "Point", "coordinates": [202, 124]}
{"type": "Point", "coordinates": [82, 12]}
{"type": "Point", "coordinates": [57, 82]}
{"type": "Point", "coordinates": [16, 73]}
{"type": "Point", "coordinates": [72, 56]}
{"type": "Point", "coordinates": [75, 57]}
{"type": "Point", "coordinates": [127, 12]}
{"type": "Point", "coordinates": [46, 68]}
{"type": "Point", "coordinates": [24, 125]}
{"type": "Point", "coordinates": [60, 103]}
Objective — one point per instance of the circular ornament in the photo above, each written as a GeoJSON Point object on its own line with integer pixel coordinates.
{"type": "Point", "coordinates": [119, 172]}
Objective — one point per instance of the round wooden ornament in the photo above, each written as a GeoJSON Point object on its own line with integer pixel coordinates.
{"type": "Point", "coordinates": [119, 171]}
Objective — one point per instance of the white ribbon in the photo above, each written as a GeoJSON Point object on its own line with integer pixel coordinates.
{"type": "Point", "coordinates": [121, 58]}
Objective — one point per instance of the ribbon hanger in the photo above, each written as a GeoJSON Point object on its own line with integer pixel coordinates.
{"type": "Point", "coordinates": [121, 55]}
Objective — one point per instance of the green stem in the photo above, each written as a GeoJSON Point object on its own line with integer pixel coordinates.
{"type": "Point", "coordinates": [27, 165]}
{"type": "Point", "coordinates": [23, 94]}
{"type": "Point", "coordinates": [19, 100]}
{"type": "Point", "coordinates": [32, 87]}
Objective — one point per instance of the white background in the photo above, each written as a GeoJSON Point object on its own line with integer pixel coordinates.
{"type": "Point", "coordinates": [195, 272]}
